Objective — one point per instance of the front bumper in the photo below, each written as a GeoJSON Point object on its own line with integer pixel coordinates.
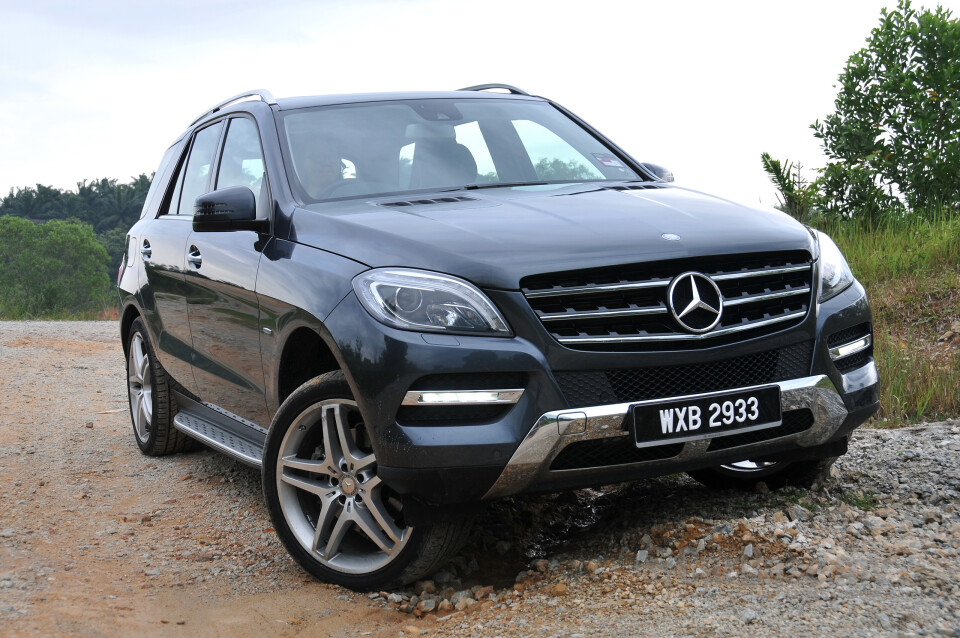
{"type": "Point", "coordinates": [530, 467]}
{"type": "Point", "coordinates": [522, 449]}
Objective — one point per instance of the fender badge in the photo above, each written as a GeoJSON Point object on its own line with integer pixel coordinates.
{"type": "Point", "coordinates": [670, 237]}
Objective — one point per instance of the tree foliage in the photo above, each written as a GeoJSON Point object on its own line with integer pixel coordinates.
{"type": "Point", "coordinates": [896, 128]}
{"type": "Point", "coordinates": [50, 269]}
{"type": "Point", "coordinates": [109, 207]}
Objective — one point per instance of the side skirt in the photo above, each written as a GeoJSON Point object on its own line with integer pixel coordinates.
{"type": "Point", "coordinates": [239, 439]}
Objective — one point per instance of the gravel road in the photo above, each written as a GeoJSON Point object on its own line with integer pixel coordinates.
{"type": "Point", "coordinates": [96, 539]}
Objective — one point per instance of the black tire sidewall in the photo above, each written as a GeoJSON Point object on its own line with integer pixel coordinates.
{"type": "Point", "coordinates": [327, 386]}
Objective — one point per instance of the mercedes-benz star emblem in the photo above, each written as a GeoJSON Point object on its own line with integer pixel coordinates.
{"type": "Point", "coordinates": [695, 302]}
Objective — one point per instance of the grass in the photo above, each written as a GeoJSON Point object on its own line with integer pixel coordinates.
{"type": "Point", "coordinates": [911, 270]}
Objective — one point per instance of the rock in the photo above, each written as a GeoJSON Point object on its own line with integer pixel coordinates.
{"type": "Point", "coordinates": [748, 617]}
{"type": "Point", "coordinates": [591, 566]}
{"type": "Point", "coordinates": [424, 587]}
{"type": "Point", "coordinates": [671, 562]}
{"type": "Point", "coordinates": [413, 630]}
{"type": "Point", "coordinates": [444, 606]}
{"type": "Point", "coordinates": [464, 603]}
{"type": "Point", "coordinates": [540, 565]}
{"type": "Point", "coordinates": [405, 608]}
{"type": "Point", "coordinates": [779, 517]}
{"type": "Point", "coordinates": [799, 513]}
{"type": "Point", "coordinates": [483, 593]}
{"type": "Point", "coordinates": [395, 598]}
{"type": "Point", "coordinates": [425, 606]}
{"type": "Point", "coordinates": [748, 551]}
{"type": "Point", "coordinates": [558, 590]}
{"type": "Point", "coordinates": [642, 556]}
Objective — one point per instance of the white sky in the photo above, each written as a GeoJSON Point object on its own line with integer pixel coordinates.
{"type": "Point", "coordinates": [100, 88]}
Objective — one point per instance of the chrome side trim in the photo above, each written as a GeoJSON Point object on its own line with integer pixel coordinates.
{"type": "Point", "coordinates": [684, 337]}
{"type": "Point", "coordinates": [461, 397]}
{"type": "Point", "coordinates": [853, 347]}
{"type": "Point", "coordinates": [544, 442]}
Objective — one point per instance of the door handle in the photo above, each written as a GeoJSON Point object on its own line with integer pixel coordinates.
{"type": "Point", "coordinates": [194, 256]}
{"type": "Point", "coordinates": [145, 250]}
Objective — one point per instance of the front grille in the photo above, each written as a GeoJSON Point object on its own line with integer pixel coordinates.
{"type": "Point", "coordinates": [625, 307]}
{"type": "Point", "coordinates": [612, 451]}
{"type": "Point", "coordinates": [602, 387]}
{"type": "Point", "coordinates": [854, 361]}
{"type": "Point", "coordinates": [794, 422]}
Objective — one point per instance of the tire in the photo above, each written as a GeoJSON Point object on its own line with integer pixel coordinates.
{"type": "Point", "coordinates": [363, 542]}
{"type": "Point", "coordinates": [744, 475]}
{"type": "Point", "coordinates": [152, 406]}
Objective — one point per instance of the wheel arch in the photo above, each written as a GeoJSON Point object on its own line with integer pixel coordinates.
{"type": "Point", "coordinates": [129, 315]}
{"type": "Point", "coordinates": [305, 354]}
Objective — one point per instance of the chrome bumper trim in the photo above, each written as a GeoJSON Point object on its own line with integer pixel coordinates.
{"type": "Point", "coordinates": [461, 397]}
{"type": "Point", "coordinates": [555, 430]}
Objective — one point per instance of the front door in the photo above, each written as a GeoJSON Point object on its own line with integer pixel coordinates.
{"type": "Point", "coordinates": [221, 276]}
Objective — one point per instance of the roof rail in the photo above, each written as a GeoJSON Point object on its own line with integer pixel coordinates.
{"type": "Point", "coordinates": [484, 87]}
{"type": "Point", "coordinates": [263, 94]}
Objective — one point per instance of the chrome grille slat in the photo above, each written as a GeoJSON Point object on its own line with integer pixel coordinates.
{"type": "Point", "coordinates": [736, 301]}
{"type": "Point", "coordinates": [682, 336]}
{"type": "Point", "coordinates": [602, 314]}
{"type": "Point", "coordinates": [587, 290]}
{"type": "Point", "coordinates": [626, 306]}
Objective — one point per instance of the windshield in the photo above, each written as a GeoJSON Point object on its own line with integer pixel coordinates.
{"type": "Point", "coordinates": [393, 147]}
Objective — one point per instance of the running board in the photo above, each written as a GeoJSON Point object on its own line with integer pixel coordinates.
{"type": "Point", "coordinates": [213, 430]}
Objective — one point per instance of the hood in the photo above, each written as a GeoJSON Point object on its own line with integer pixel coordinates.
{"type": "Point", "coordinates": [496, 237]}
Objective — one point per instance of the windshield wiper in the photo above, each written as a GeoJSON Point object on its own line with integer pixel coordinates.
{"type": "Point", "coordinates": [476, 187]}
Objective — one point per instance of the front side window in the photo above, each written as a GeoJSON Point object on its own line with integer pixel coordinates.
{"type": "Point", "coordinates": [380, 148]}
{"type": "Point", "coordinates": [196, 172]}
{"type": "Point", "coordinates": [241, 163]}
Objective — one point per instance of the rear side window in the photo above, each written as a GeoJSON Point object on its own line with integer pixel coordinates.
{"type": "Point", "coordinates": [241, 163]}
{"type": "Point", "coordinates": [196, 173]}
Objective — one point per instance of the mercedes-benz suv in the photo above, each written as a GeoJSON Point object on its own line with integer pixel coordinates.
{"type": "Point", "coordinates": [400, 306]}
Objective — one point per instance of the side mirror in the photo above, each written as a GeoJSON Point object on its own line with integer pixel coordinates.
{"type": "Point", "coordinates": [233, 208]}
{"type": "Point", "coordinates": [661, 173]}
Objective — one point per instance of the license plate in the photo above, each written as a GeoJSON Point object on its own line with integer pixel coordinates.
{"type": "Point", "coordinates": [706, 416]}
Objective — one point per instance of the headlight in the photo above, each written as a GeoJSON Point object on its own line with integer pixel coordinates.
{"type": "Point", "coordinates": [426, 301]}
{"type": "Point", "coordinates": [835, 274]}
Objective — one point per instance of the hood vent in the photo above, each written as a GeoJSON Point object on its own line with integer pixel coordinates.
{"type": "Point", "coordinates": [426, 202]}
{"type": "Point", "coordinates": [633, 187]}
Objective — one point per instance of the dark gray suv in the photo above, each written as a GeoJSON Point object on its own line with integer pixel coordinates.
{"type": "Point", "coordinates": [400, 306]}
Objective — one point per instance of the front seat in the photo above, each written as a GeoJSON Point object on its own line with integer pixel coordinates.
{"type": "Point", "coordinates": [440, 163]}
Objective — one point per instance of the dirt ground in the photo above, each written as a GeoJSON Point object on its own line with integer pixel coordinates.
{"type": "Point", "coordinates": [98, 540]}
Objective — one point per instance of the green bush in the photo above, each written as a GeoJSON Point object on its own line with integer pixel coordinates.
{"type": "Point", "coordinates": [53, 269]}
{"type": "Point", "coordinates": [897, 116]}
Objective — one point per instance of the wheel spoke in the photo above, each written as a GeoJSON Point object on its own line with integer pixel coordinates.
{"type": "Point", "coordinates": [354, 458]}
{"type": "Point", "coordinates": [326, 517]}
{"type": "Point", "coordinates": [144, 369]}
{"type": "Point", "coordinates": [305, 484]}
{"type": "Point", "coordinates": [315, 467]}
{"type": "Point", "coordinates": [144, 420]}
{"type": "Point", "coordinates": [377, 511]}
{"type": "Point", "coordinates": [371, 527]}
{"type": "Point", "coordinates": [331, 439]}
{"type": "Point", "coordinates": [339, 531]}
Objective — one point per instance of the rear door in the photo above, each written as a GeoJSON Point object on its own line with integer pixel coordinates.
{"type": "Point", "coordinates": [162, 247]}
{"type": "Point", "coordinates": [221, 275]}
